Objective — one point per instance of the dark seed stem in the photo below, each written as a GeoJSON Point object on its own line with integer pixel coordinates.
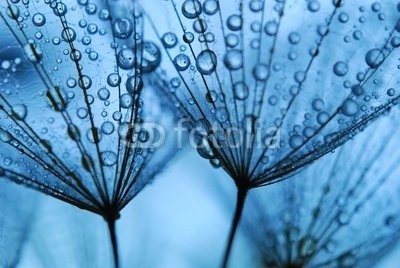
{"type": "Point", "coordinates": [241, 197]}
{"type": "Point", "coordinates": [113, 237]}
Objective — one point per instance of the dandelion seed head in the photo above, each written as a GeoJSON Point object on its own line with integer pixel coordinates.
{"type": "Point", "coordinates": [74, 118]}
{"type": "Point", "coordinates": [305, 85]}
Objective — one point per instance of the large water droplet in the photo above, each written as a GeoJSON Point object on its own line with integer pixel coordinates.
{"type": "Point", "coordinates": [191, 9]}
{"type": "Point", "coordinates": [19, 111]}
{"type": "Point", "coordinates": [122, 28]}
{"type": "Point", "coordinates": [181, 62]}
{"type": "Point", "coordinates": [169, 40]}
{"type": "Point", "coordinates": [340, 68]}
{"type": "Point", "coordinates": [271, 28]}
{"type": "Point", "coordinates": [210, 7]}
{"type": "Point", "coordinates": [295, 141]}
{"type": "Point", "coordinates": [103, 94]}
{"type": "Point", "coordinates": [206, 62]}
{"type": "Point", "coordinates": [233, 59]}
{"type": "Point", "coordinates": [113, 79]}
{"type": "Point", "coordinates": [38, 19]}
{"type": "Point", "coordinates": [261, 72]}
{"type": "Point", "coordinates": [5, 136]}
{"type": "Point", "coordinates": [107, 128]}
{"type": "Point", "coordinates": [126, 59]}
{"type": "Point", "coordinates": [241, 91]}
{"type": "Point", "coordinates": [126, 101]}
{"type": "Point", "coordinates": [151, 57]}
{"type": "Point", "coordinates": [234, 22]}
{"type": "Point", "coordinates": [374, 58]}
{"type": "Point", "coordinates": [108, 158]}
{"type": "Point", "coordinates": [134, 84]}
{"type": "Point", "coordinates": [349, 107]}
{"type": "Point", "coordinates": [32, 52]}
{"type": "Point", "coordinates": [204, 149]}
{"type": "Point", "coordinates": [73, 132]}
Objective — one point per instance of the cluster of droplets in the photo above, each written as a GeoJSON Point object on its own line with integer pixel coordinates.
{"type": "Point", "coordinates": [235, 64]}
{"type": "Point", "coordinates": [89, 59]}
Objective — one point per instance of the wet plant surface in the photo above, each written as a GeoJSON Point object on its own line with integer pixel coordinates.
{"type": "Point", "coordinates": [265, 94]}
{"type": "Point", "coordinates": [97, 96]}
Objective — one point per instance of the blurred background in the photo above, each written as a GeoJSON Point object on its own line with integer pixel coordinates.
{"type": "Point", "coordinates": [181, 220]}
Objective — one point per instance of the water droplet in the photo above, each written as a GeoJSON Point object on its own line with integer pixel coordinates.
{"type": "Point", "coordinates": [390, 92]}
{"type": "Point", "coordinates": [57, 99]}
{"type": "Point", "coordinates": [126, 101]}
{"type": "Point", "coordinates": [295, 141]}
{"type": "Point", "coordinates": [38, 19]}
{"type": "Point", "coordinates": [204, 149]}
{"type": "Point", "coordinates": [233, 59]}
{"type": "Point", "coordinates": [87, 162]}
{"type": "Point", "coordinates": [199, 26]}
{"type": "Point", "coordinates": [343, 17]}
{"type": "Point", "coordinates": [210, 7]}
{"type": "Point", "coordinates": [169, 40]}
{"type": "Point", "coordinates": [374, 58]}
{"type": "Point", "coordinates": [32, 52]}
{"type": "Point", "coordinates": [107, 128]}
{"type": "Point", "coordinates": [234, 22]}
{"type": "Point", "coordinates": [271, 28]}
{"type": "Point", "coordinates": [93, 135]}
{"type": "Point", "coordinates": [191, 9]}
{"type": "Point", "coordinates": [318, 104]}
{"type": "Point", "coordinates": [19, 111]}
{"type": "Point", "coordinates": [313, 6]}
{"type": "Point", "coordinates": [340, 68]}
{"type": "Point", "coordinates": [322, 118]}
{"type": "Point", "coordinates": [221, 114]}
{"type": "Point", "coordinates": [206, 62]}
{"type": "Point", "coordinates": [294, 38]}
{"type": "Point", "coordinates": [143, 135]}
{"type": "Point", "coordinates": [103, 94]}
{"type": "Point", "coordinates": [125, 132]}
{"type": "Point", "coordinates": [113, 79]}
{"type": "Point", "coordinates": [73, 132]}
{"type": "Point", "coordinates": [261, 72]}
{"type": "Point", "coordinates": [181, 62]}
{"type": "Point", "coordinates": [357, 90]}
{"type": "Point", "coordinates": [134, 84]}
{"type": "Point", "coordinates": [13, 12]}
{"type": "Point", "coordinates": [188, 37]}
{"type": "Point", "coordinates": [256, 5]}
{"type": "Point", "coordinates": [108, 158]}
{"type": "Point", "coordinates": [349, 107]}
{"type": "Point", "coordinates": [151, 57]}
{"type": "Point", "coordinates": [241, 91]}
{"type": "Point", "coordinates": [231, 40]}
{"type": "Point", "coordinates": [122, 28]}
{"type": "Point", "coordinates": [5, 136]}
{"type": "Point", "coordinates": [85, 82]}
{"type": "Point", "coordinates": [60, 9]}
{"type": "Point", "coordinates": [68, 35]}
{"type": "Point", "coordinates": [126, 59]}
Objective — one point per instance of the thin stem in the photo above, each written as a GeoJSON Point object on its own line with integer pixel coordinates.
{"type": "Point", "coordinates": [241, 197]}
{"type": "Point", "coordinates": [113, 237]}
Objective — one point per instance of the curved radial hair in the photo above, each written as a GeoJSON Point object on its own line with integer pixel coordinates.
{"type": "Point", "coordinates": [341, 212]}
{"type": "Point", "coordinates": [267, 87]}
{"type": "Point", "coordinates": [73, 120]}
